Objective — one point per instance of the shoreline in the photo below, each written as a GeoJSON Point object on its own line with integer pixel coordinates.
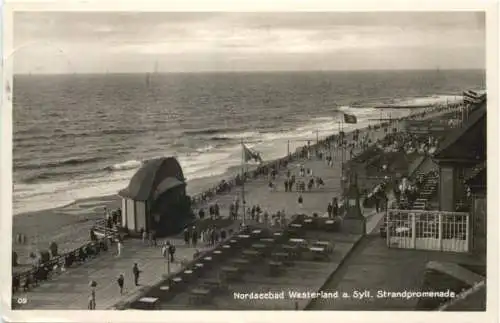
{"type": "Point", "coordinates": [228, 174]}
{"type": "Point", "coordinates": [201, 185]}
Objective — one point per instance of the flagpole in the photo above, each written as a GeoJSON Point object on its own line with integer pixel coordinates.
{"type": "Point", "coordinates": [342, 147]}
{"type": "Point", "coordinates": [243, 180]}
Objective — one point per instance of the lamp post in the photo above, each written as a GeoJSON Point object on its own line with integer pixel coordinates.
{"type": "Point", "coordinates": [168, 263]}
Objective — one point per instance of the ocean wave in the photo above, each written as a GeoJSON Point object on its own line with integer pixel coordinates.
{"type": "Point", "coordinates": [237, 135]}
{"type": "Point", "coordinates": [73, 161]}
{"type": "Point", "coordinates": [209, 131]}
{"type": "Point", "coordinates": [129, 164]}
{"type": "Point", "coordinates": [120, 131]}
{"type": "Point", "coordinates": [47, 175]}
{"type": "Point", "coordinates": [27, 136]}
{"type": "Point", "coordinates": [215, 138]}
{"type": "Point", "coordinates": [205, 149]}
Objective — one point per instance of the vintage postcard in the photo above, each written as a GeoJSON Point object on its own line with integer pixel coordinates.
{"type": "Point", "coordinates": [171, 159]}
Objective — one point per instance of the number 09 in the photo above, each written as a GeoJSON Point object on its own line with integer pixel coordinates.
{"type": "Point", "coordinates": [22, 300]}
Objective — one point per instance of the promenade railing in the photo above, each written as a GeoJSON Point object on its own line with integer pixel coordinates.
{"type": "Point", "coordinates": [43, 270]}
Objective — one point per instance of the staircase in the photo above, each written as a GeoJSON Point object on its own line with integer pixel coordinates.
{"type": "Point", "coordinates": [428, 189]}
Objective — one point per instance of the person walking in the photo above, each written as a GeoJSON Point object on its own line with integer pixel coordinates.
{"type": "Point", "coordinates": [194, 237]}
{"type": "Point", "coordinates": [150, 238]}
{"type": "Point", "coordinates": [136, 272]}
{"type": "Point", "coordinates": [300, 200]}
{"type": "Point", "coordinates": [164, 250]}
{"type": "Point", "coordinates": [92, 298]}
{"type": "Point", "coordinates": [119, 247]}
{"type": "Point", "coordinates": [329, 209]}
{"type": "Point", "coordinates": [153, 238]}
{"type": "Point", "coordinates": [121, 282]}
{"type": "Point", "coordinates": [186, 236]}
{"type": "Point", "coordinates": [171, 251]}
{"type": "Point", "coordinates": [216, 210]}
{"type": "Point", "coordinates": [335, 210]}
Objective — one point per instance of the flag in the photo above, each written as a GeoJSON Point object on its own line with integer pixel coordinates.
{"type": "Point", "coordinates": [350, 118]}
{"type": "Point", "coordinates": [472, 97]}
{"type": "Point", "coordinates": [248, 154]}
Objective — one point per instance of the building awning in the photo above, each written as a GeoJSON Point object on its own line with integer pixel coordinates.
{"type": "Point", "coordinates": [467, 143]}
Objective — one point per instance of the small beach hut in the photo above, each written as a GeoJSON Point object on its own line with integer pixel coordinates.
{"type": "Point", "coordinates": [155, 199]}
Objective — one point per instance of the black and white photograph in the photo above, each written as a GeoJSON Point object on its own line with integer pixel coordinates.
{"type": "Point", "coordinates": [248, 161]}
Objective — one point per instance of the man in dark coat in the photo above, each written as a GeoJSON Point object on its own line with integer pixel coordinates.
{"type": "Point", "coordinates": [329, 209]}
{"type": "Point", "coordinates": [186, 236]}
{"type": "Point", "coordinates": [136, 272]}
{"type": "Point", "coordinates": [121, 282]}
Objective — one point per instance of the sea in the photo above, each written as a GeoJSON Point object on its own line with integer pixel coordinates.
{"type": "Point", "coordinates": [79, 136]}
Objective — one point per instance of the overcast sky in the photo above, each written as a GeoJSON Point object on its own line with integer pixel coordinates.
{"type": "Point", "coordinates": [190, 42]}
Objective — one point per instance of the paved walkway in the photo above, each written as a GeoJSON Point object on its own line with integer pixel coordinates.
{"type": "Point", "coordinates": [375, 268]}
{"type": "Point", "coordinates": [70, 290]}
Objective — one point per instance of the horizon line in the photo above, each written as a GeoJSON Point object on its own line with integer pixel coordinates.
{"type": "Point", "coordinates": [253, 71]}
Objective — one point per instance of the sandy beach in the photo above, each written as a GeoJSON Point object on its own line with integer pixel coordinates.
{"type": "Point", "coordinates": [69, 226]}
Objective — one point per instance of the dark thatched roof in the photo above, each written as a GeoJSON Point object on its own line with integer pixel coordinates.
{"type": "Point", "coordinates": [155, 177]}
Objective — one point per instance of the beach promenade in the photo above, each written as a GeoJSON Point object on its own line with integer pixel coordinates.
{"type": "Point", "coordinates": [69, 226]}
{"type": "Point", "coordinates": [71, 290]}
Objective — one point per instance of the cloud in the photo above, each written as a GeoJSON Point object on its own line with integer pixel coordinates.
{"type": "Point", "coordinates": [123, 37]}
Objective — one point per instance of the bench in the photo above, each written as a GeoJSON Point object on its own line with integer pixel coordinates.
{"type": "Point", "coordinates": [231, 273]}
{"type": "Point", "coordinates": [300, 243]}
{"type": "Point", "coordinates": [267, 240]}
{"type": "Point", "coordinates": [250, 253]}
{"type": "Point", "coordinates": [292, 250]}
{"type": "Point", "coordinates": [309, 223]}
{"type": "Point", "coordinates": [324, 244]}
{"type": "Point", "coordinates": [177, 284]}
{"type": "Point", "coordinates": [331, 225]}
{"type": "Point", "coordinates": [188, 275]}
{"type": "Point", "coordinates": [240, 262]}
{"type": "Point", "coordinates": [165, 293]}
{"type": "Point", "coordinates": [295, 230]}
{"type": "Point", "coordinates": [259, 246]}
{"type": "Point", "coordinates": [275, 267]}
{"type": "Point", "coordinates": [147, 303]}
{"type": "Point", "coordinates": [256, 232]}
{"type": "Point", "coordinates": [199, 295]}
{"type": "Point", "coordinates": [319, 253]}
{"type": "Point", "coordinates": [213, 283]}
{"type": "Point", "coordinates": [283, 257]}
{"type": "Point", "coordinates": [217, 253]}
